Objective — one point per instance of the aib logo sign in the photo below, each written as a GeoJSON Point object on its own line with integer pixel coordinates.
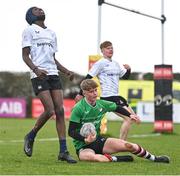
{"type": "Point", "coordinates": [166, 100]}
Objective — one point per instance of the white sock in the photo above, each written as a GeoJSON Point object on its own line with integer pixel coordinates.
{"type": "Point", "coordinates": [114, 158]}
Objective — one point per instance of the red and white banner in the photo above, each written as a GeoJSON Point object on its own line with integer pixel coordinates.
{"type": "Point", "coordinates": [37, 107]}
{"type": "Point", "coordinates": [163, 72]}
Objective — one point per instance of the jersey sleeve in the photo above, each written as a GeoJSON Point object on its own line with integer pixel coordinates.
{"type": "Point", "coordinates": [55, 45]}
{"type": "Point", "coordinates": [108, 105]}
{"type": "Point", "coordinates": [96, 68]}
{"type": "Point", "coordinates": [76, 114]}
{"type": "Point", "coordinates": [122, 70]}
{"type": "Point", "coordinates": [26, 38]}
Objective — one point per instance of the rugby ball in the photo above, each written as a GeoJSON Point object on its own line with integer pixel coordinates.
{"type": "Point", "coordinates": [87, 129]}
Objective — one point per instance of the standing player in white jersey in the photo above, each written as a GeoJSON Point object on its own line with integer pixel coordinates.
{"type": "Point", "coordinates": [39, 45]}
{"type": "Point", "coordinates": [109, 72]}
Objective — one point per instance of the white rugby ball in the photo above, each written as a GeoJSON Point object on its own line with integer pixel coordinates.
{"type": "Point", "coordinates": [87, 128]}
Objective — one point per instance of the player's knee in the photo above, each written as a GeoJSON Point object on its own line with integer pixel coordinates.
{"type": "Point", "coordinates": [129, 146]}
{"type": "Point", "coordinates": [98, 158]}
{"type": "Point", "coordinates": [128, 121]}
{"type": "Point", "coordinates": [83, 156]}
{"type": "Point", "coordinates": [60, 112]}
{"type": "Point", "coordinates": [93, 158]}
{"type": "Point", "coordinates": [50, 113]}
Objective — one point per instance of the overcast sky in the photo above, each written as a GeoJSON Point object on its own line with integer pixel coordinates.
{"type": "Point", "coordinates": [136, 39]}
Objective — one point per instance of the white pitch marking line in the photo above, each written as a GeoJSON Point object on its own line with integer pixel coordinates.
{"type": "Point", "coordinates": [21, 141]}
{"type": "Point", "coordinates": [56, 139]}
{"type": "Point", "coordinates": [144, 135]}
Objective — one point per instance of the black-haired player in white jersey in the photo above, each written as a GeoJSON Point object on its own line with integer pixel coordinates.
{"type": "Point", "coordinates": [39, 45]}
{"type": "Point", "coordinates": [109, 72]}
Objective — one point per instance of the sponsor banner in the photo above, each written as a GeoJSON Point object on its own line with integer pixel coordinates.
{"type": "Point", "coordinates": [163, 125]}
{"type": "Point", "coordinates": [163, 72]}
{"type": "Point", "coordinates": [68, 105]}
{"type": "Point", "coordinates": [163, 100]}
{"type": "Point", "coordinates": [163, 95]}
{"type": "Point", "coordinates": [145, 110]}
{"type": "Point", "coordinates": [37, 107]}
{"type": "Point", "coordinates": [13, 107]}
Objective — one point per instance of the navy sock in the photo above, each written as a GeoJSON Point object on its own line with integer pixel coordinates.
{"type": "Point", "coordinates": [63, 146]}
{"type": "Point", "coordinates": [32, 134]}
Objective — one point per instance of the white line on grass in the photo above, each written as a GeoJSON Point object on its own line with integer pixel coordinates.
{"type": "Point", "coordinates": [68, 138]}
{"type": "Point", "coordinates": [144, 135]}
{"type": "Point", "coordinates": [21, 141]}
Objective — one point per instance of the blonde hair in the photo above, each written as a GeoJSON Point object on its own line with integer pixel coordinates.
{"type": "Point", "coordinates": [88, 84]}
{"type": "Point", "coordinates": [105, 44]}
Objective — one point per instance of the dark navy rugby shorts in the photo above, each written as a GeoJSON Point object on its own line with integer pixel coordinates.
{"type": "Point", "coordinates": [50, 82]}
{"type": "Point", "coordinates": [96, 146]}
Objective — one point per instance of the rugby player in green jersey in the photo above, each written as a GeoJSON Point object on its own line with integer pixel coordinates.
{"type": "Point", "coordinates": [94, 147]}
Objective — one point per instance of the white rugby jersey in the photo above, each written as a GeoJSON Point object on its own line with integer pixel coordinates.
{"type": "Point", "coordinates": [43, 44]}
{"type": "Point", "coordinates": [108, 72]}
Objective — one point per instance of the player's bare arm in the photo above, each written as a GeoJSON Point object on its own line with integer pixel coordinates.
{"type": "Point", "coordinates": [39, 72]}
{"type": "Point", "coordinates": [126, 114]}
{"type": "Point", "coordinates": [64, 70]}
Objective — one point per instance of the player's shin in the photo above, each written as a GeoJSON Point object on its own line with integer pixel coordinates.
{"type": "Point", "coordinates": [141, 152]}
{"type": "Point", "coordinates": [124, 158]}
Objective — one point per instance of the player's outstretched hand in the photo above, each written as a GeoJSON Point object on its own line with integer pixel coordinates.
{"type": "Point", "coordinates": [126, 66]}
{"type": "Point", "coordinates": [78, 98]}
{"type": "Point", "coordinates": [135, 118]}
{"type": "Point", "coordinates": [71, 75]}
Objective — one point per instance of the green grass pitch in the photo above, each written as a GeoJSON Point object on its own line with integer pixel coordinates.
{"type": "Point", "coordinates": [44, 160]}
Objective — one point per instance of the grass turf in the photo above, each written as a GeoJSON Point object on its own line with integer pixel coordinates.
{"type": "Point", "coordinates": [13, 161]}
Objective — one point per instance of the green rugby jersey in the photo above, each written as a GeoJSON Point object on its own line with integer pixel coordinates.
{"type": "Point", "coordinates": [83, 112]}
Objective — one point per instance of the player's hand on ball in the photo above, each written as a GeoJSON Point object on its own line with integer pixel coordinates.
{"type": "Point", "coordinates": [90, 138]}
{"type": "Point", "coordinates": [88, 130]}
{"type": "Point", "coordinates": [135, 118]}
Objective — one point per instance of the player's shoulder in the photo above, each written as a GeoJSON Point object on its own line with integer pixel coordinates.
{"type": "Point", "coordinates": [50, 30]}
{"type": "Point", "coordinates": [104, 102]}
{"type": "Point", "coordinates": [79, 108]}
{"type": "Point", "coordinates": [79, 104]}
{"type": "Point", "coordinates": [29, 28]}
{"type": "Point", "coordinates": [120, 65]}
{"type": "Point", "coordinates": [116, 62]}
{"type": "Point", "coordinates": [102, 61]}
{"type": "Point", "coordinates": [100, 101]}
{"type": "Point", "coordinates": [105, 105]}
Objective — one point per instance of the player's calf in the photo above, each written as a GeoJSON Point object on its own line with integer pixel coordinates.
{"type": "Point", "coordinates": [141, 152]}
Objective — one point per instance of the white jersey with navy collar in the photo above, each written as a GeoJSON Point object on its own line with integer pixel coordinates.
{"type": "Point", "coordinates": [108, 72]}
{"type": "Point", "coordinates": [43, 44]}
